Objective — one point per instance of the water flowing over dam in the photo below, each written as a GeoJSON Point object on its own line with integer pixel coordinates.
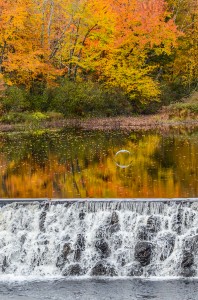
{"type": "Point", "coordinates": [99, 238]}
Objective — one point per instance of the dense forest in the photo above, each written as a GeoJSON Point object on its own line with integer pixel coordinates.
{"type": "Point", "coordinates": [96, 57]}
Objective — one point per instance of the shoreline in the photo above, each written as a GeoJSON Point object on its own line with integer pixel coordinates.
{"type": "Point", "coordinates": [159, 122]}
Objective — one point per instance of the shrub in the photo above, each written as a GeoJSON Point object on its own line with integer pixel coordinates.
{"type": "Point", "coordinates": [15, 100]}
{"type": "Point", "coordinates": [88, 99]}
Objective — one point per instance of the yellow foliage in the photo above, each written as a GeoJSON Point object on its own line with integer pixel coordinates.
{"type": "Point", "coordinates": [40, 40]}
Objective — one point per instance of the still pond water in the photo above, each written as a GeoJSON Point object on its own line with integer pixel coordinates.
{"type": "Point", "coordinates": [78, 163]}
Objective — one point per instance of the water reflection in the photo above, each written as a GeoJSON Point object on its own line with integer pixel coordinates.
{"type": "Point", "coordinates": [82, 164]}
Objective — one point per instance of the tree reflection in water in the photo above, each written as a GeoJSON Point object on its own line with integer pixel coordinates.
{"type": "Point", "coordinates": [82, 164]}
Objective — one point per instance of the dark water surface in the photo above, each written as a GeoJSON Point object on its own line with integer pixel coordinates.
{"type": "Point", "coordinates": [78, 163]}
{"type": "Point", "coordinates": [100, 290]}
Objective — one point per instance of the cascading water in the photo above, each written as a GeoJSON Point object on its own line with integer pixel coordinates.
{"type": "Point", "coordinates": [112, 238]}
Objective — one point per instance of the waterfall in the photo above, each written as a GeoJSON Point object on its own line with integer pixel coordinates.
{"type": "Point", "coordinates": [99, 238]}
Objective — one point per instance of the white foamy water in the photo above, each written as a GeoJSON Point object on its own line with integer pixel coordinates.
{"type": "Point", "coordinates": [145, 239]}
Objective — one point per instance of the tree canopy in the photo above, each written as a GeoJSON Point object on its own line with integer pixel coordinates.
{"type": "Point", "coordinates": [127, 44]}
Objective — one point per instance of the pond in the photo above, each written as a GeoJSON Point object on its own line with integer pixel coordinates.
{"type": "Point", "coordinates": [135, 289]}
{"type": "Point", "coordinates": [97, 164]}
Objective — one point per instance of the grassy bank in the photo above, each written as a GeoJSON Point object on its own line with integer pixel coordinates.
{"type": "Point", "coordinates": [186, 108]}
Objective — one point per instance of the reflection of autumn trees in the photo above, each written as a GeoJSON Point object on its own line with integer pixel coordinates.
{"type": "Point", "coordinates": [82, 165]}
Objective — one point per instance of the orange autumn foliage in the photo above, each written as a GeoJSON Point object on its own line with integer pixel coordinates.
{"type": "Point", "coordinates": [108, 41]}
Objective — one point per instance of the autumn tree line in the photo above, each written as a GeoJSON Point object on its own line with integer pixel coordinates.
{"type": "Point", "coordinates": [82, 57]}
